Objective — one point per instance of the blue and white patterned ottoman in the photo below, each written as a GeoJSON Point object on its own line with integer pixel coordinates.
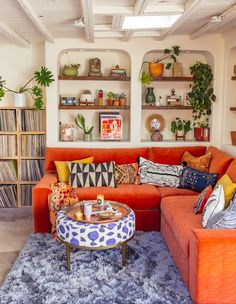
{"type": "Point", "coordinates": [95, 236]}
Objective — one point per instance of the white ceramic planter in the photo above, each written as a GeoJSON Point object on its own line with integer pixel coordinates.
{"type": "Point", "coordinates": [19, 100]}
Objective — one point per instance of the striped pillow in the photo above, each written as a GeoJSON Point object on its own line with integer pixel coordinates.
{"type": "Point", "coordinates": [214, 205]}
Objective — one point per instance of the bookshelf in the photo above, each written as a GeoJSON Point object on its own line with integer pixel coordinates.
{"type": "Point", "coordinates": [23, 139]}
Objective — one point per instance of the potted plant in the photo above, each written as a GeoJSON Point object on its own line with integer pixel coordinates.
{"type": "Point", "coordinates": [156, 67]}
{"type": "Point", "coordinates": [179, 125]}
{"type": "Point", "coordinates": [110, 98]}
{"type": "Point", "coordinates": [42, 77]}
{"type": "Point", "coordinates": [71, 69]}
{"type": "Point", "coordinates": [122, 99]}
{"type": "Point", "coordinates": [80, 122]}
{"type": "Point", "coordinates": [201, 98]}
{"type": "Point", "coordinates": [116, 100]}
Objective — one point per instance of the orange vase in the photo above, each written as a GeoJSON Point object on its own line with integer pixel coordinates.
{"type": "Point", "coordinates": [156, 69]}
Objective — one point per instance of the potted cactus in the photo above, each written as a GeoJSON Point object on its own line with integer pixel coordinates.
{"type": "Point", "coordinates": [80, 122]}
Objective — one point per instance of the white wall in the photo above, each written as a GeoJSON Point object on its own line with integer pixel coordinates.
{"type": "Point", "coordinates": [136, 48]}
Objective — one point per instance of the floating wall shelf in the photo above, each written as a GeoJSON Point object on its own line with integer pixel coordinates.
{"type": "Point", "coordinates": [232, 108]}
{"type": "Point", "coordinates": [170, 79]}
{"type": "Point", "coordinates": [233, 78]}
{"type": "Point", "coordinates": [101, 78]}
{"type": "Point", "coordinates": [94, 107]}
{"type": "Point", "coordinates": [144, 107]}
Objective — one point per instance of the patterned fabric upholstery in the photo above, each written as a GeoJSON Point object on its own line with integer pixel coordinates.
{"type": "Point", "coordinates": [200, 163]}
{"type": "Point", "coordinates": [92, 175]}
{"type": "Point", "coordinates": [61, 196]}
{"type": "Point", "coordinates": [159, 174]}
{"type": "Point", "coordinates": [202, 199]}
{"type": "Point", "coordinates": [127, 174]}
{"type": "Point", "coordinates": [196, 180]}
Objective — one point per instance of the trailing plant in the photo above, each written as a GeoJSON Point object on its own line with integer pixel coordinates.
{"type": "Point", "coordinates": [43, 78]}
{"type": "Point", "coordinates": [167, 54]}
{"type": "Point", "coordinates": [202, 94]}
{"type": "Point", "coordinates": [80, 122]}
{"type": "Point", "coordinates": [180, 125]}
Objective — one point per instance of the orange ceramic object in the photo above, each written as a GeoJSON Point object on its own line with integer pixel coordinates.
{"type": "Point", "coordinates": [156, 69]}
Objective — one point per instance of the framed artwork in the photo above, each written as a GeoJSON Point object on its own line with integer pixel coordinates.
{"type": "Point", "coordinates": [155, 122]}
{"type": "Point", "coordinates": [105, 113]}
{"type": "Point", "coordinates": [111, 127]}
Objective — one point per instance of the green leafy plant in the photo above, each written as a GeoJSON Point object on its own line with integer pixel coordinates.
{"type": "Point", "coordinates": [110, 95]}
{"type": "Point", "coordinates": [180, 125]}
{"type": "Point", "coordinates": [122, 96]}
{"type": "Point", "coordinates": [73, 66]}
{"type": "Point", "coordinates": [80, 122]}
{"type": "Point", "coordinates": [43, 78]}
{"type": "Point", "coordinates": [202, 94]}
{"type": "Point", "coordinates": [167, 54]}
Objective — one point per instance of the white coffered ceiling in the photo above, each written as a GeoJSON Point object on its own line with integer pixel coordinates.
{"type": "Point", "coordinates": [27, 21]}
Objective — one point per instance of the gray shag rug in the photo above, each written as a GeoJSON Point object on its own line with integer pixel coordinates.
{"type": "Point", "coordinates": [39, 275]}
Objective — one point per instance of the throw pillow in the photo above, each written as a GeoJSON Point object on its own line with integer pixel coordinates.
{"type": "Point", "coordinates": [196, 180]}
{"type": "Point", "coordinates": [202, 199]}
{"type": "Point", "coordinates": [127, 174]}
{"type": "Point", "coordinates": [228, 186]}
{"type": "Point", "coordinates": [225, 219]}
{"type": "Point", "coordinates": [63, 171]}
{"type": "Point", "coordinates": [200, 163]}
{"type": "Point", "coordinates": [92, 175]}
{"type": "Point", "coordinates": [159, 174]}
{"type": "Point", "coordinates": [214, 205]}
{"type": "Point", "coordinates": [61, 196]}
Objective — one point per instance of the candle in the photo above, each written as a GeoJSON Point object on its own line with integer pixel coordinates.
{"type": "Point", "coordinates": [79, 215]}
{"type": "Point", "coordinates": [100, 199]}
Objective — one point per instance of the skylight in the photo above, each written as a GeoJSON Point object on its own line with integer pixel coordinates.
{"type": "Point", "coordinates": [149, 22]}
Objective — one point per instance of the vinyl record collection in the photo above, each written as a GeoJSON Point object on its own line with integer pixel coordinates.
{"type": "Point", "coordinates": [8, 146]}
{"type": "Point", "coordinates": [8, 196]}
{"type": "Point", "coordinates": [8, 172]}
{"type": "Point", "coordinates": [32, 120]}
{"type": "Point", "coordinates": [26, 195]}
{"type": "Point", "coordinates": [32, 170]}
{"type": "Point", "coordinates": [32, 145]}
{"type": "Point", "coordinates": [7, 120]}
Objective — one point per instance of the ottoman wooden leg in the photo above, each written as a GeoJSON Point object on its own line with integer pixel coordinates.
{"type": "Point", "coordinates": [68, 256]}
{"type": "Point", "coordinates": [124, 254]}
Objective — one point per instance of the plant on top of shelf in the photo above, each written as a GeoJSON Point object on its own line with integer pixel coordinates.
{"type": "Point", "coordinates": [179, 125]}
{"type": "Point", "coordinates": [71, 69]}
{"type": "Point", "coordinates": [80, 122]}
{"type": "Point", "coordinates": [110, 98]}
{"type": "Point", "coordinates": [156, 67]}
{"type": "Point", "coordinates": [42, 77]}
{"type": "Point", "coordinates": [202, 93]}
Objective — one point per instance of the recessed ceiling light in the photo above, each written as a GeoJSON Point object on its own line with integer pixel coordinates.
{"type": "Point", "coordinates": [149, 22]}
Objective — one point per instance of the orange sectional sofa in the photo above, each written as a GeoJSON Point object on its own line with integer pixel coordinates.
{"type": "Point", "coordinates": [206, 258]}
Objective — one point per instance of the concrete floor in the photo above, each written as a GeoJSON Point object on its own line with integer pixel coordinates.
{"type": "Point", "coordinates": [16, 225]}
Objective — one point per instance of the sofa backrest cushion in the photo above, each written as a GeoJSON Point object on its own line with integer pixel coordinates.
{"type": "Point", "coordinates": [231, 171]}
{"type": "Point", "coordinates": [64, 154]}
{"type": "Point", "coordinates": [173, 155]}
{"type": "Point", "coordinates": [220, 161]}
{"type": "Point", "coordinates": [119, 156]}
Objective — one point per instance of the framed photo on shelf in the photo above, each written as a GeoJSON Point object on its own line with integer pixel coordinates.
{"type": "Point", "coordinates": [111, 127]}
{"type": "Point", "coordinates": [105, 113]}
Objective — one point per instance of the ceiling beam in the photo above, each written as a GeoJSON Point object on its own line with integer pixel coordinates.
{"type": "Point", "coordinates": [139, 7]}
{"type": "Point", "coordinates": [115, 34]}
{"type": "Point", "coordinates": [87, 7]}
{"type": "Point", "coordinates": [189, 6]}
{"type": "Point", "coordinates": [6, 31]}
{"type": "Point", "coordinates": [170, 9]}
{"type": "Point", "coordinates": [113, 10]}
{"type": "Point", "coordinates": [216, 23]}
{"type": "Point", "coordinates": [117, 22]}
{"type": "Point", "coordinates": [28, 9]}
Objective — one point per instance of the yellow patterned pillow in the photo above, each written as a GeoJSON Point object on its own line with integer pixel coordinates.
{"type": "Point", "coordinates": [63, 171]}
{"type": "Point", "coordinates": [228, 187]}
{"type": "Point", "coordinates": [200, 163]}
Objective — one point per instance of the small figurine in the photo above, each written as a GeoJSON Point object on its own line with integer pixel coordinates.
{"type": "Point", "coordinates": [95, 67]}
{"type": "Point", "coordinates": [100, 98]}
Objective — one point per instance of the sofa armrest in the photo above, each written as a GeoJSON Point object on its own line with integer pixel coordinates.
{"type": "Point", "coordinates": [212, 266]}
{"type": "Point", "coordinates": [40, 203]}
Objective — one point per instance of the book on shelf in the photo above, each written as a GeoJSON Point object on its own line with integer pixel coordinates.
{"type": "Point", "coordinates": [33, 145]}
{"type": "Point", "coordinates": [8, 196]}
{"type": "Point", "coordinates": [8, 146]}
{"type": "Point", "coordinates": [8, 171]}
{"type": "Point", "coordinates": [7, 120]}
{"type": "Point", "coordinates": [26, 195]}
{"type": "Point", "coordinates": [32, 120]}
{"type": "Point", "coordinates": [32, 170]}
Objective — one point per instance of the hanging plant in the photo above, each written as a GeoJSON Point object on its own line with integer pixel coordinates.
{"type": "Point", "coordinates": [202, 94]}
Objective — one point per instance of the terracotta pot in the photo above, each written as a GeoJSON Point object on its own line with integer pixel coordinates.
{"type": "Point", "coordinates": [110, 102]}
{"type": "Point", "coordinates": [233, 137]}
{"type": "Point", "coordinates": [116, 103]}
{"type": "Point", "coordinates": [122, 102]}
{"type": "Point", "coordinates": [202, 134]}
{"type": "Point", "coordinates": [156, 69]}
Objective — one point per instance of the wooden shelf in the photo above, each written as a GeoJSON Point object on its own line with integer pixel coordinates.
{"type": "Point", "coordinates": [144, 107]}
{"type": "Point", "coordinates": [233, 78]}
{"type": "Point", "coordinates": [32, 132]}
{"type": "Point", "coordinates": [94, 107]}
{"type": "Point", "coordinates": [232, 108]}
{"type": "Point", "coordinates": [8, 183]}
{"type": "Point", "coordinates": [101, 78]}
{"type": "Point", "coordinates": [31, 157]}
{"type": "Point", "coordinates": [8, 157]}
{"type": "Point", "coordinates": [28, 182]}
{"type": "Point", "coordinates": [8, 133]}
{"type": "Point", "coordinates": [175, 79]}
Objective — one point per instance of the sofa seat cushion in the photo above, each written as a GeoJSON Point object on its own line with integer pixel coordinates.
{"type": "Point", "coordinates": [171, 191]}
{"type": "Point", "coordinates": [137, 197]}
{"type": "Point", "coordinates": [178, 212]}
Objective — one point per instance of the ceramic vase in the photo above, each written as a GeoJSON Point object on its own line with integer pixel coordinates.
{"type": "Point", "coordinates": [88, 137]}
{"type": "Point", "coordinates": [157, 136]}
{"type": "Point", "coordinates": [150, 97]}
{"type": "Point", "coordinates": [19, 100]}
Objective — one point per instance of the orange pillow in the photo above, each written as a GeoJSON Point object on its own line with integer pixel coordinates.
{"type": "Point", "coordinates": [200, 163]}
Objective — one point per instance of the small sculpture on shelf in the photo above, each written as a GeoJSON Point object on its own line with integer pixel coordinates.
{"type": "Point", "coordinates": [100, 98]}
{"type": "Point", "coordinates": [173, 100]}
{"type": "Point", "coordinates": [117, 72]}
{"type": "Point", "coordinates": [178, 125]}
{"type": "Point", "coordinates": [86, 99]}
{"type": "Point", "coordinates": [95, 67]}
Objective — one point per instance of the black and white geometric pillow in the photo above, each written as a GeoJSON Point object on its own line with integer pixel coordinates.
{"type": "Point", "coordinates": [92, 175]}
{"type": "Point", "coordinates": [159, 174]}
{"type": "Point", "coordinates": [214, 205]}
